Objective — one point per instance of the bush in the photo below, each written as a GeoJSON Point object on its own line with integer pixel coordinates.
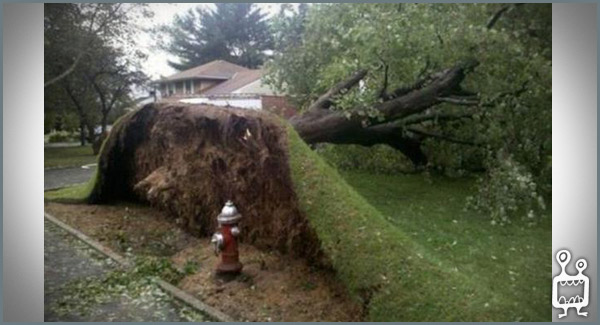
{"type": "Point", "coordinates": [61, 136]}
{"type": "Point", "coordinates": [453, 160]}
{"type": "Point", "coordinates": [506, 192]}
{"type": "Point", "coordinates": [376, 159]}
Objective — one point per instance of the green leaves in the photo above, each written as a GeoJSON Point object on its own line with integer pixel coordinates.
{"type": "Point", "coordinates": [513, 80]}
{"type": "Point", "coordinates": [235, 32]}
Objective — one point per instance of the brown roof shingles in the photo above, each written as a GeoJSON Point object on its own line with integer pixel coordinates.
{"type": "Point", "coordinates": [237, 81]}
{"type": "Point", "coordinates": [217, 69]}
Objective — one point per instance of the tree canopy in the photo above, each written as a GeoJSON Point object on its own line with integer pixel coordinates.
{"type": "Point", "coordinates": [91, 63]}
{"type": "Point", "coordinates": [467, 82]}
{"type": "Point", "coordinates": [235, 32]}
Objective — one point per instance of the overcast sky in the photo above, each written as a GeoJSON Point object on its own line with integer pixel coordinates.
{"type": "Point", "coordinates": [164, 13]}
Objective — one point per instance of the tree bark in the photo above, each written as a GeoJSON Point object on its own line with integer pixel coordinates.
{"type": "Point", "coordinates": [80, 112]}
{"type": "Point", "coordinates": [82, 133]}
{"type": "Point", "coordinates": [66, 72]}
{"type": "Point", "coordinates": [104, 122]}
{"type": "Point", "coordinates": [320, 123]}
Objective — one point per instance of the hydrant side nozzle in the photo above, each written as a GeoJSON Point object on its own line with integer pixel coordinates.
{"type": "Point", "coordinates": [218, 241]}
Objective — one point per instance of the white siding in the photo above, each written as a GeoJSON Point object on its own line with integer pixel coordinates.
{"type": "Point", "coordinates": [250, 103]}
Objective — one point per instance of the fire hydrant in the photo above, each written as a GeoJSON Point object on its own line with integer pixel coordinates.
{"type": "Point", "coordinates": [225, 241]}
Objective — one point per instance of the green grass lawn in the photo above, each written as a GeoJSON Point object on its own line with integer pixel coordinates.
{"type": "Point", "coordinates": [405, 247]}
{"type": "Point", "coordinates": [68, 156]}
{"type": "Point", "coordinates": [512, 261]}
{"type": "Point", "coordinates": [70, 194]}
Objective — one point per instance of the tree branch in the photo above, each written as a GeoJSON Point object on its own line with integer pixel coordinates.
{"type": "Point", "coordinates": [458, 101]}
{"type": "Point", "coordinates": [499, 14]}
{"type": "Point", "coordinates": [441, 136]}
{"type": "Point", "coordinates": [320, 125]}
{"type": "Point", "coordinates": [391, 136]}
{"type": "Point", "coordinates": [442, 84]}
{"type": "Point", "coordinates": [66, 72]}
{"type": "Point", "coordinates": [415, 119]}
{"type": "Point", "coordinates": [324, 101]}
{"type": "Point", "coordinates": [383, 91]}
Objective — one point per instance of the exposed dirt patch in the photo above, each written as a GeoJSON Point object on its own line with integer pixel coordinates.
{"type": "Point", "coordinates": [272, 286]}
{"type": "Point", "coordinates": [125, 228]}
{"type": "Point", "coordinates": [188, 160]}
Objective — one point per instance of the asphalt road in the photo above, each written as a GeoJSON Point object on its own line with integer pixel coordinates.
{"type": "Point", "coordinates": [60, 177]}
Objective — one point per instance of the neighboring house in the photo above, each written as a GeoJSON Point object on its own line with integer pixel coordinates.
{"type": "Point", "coordinates": [222, 83]}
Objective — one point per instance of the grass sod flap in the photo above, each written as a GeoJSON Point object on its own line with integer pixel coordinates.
{"type": "Point", "coordinates": [394, 278]}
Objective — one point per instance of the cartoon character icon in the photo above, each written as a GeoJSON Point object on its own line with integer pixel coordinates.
{"type": "Point", "coordinates": [563, 257]}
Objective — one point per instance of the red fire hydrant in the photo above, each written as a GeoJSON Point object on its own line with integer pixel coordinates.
{"type": "Point", "coordinates": [225, 239]}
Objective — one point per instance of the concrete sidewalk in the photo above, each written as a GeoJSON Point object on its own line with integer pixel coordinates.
{"type": "Point", "coordinates": [68, 261]}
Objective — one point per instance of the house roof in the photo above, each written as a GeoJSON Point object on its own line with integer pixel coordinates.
{"type": "Point", "coordinates": [238, 80]}
{"type": "Point", "coordinates": [218, 69]}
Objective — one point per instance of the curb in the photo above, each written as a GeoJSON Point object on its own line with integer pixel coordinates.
{"type": "Point", "coordinates": [124, 263]}
{"type": "Point", "coordinates": [87, 166]}
{"type": "Point", "coordinates": [62, 186]}
{"type": "Point", "coordinates": [193, 302]}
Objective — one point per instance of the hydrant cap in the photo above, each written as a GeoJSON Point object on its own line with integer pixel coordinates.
{"type": "Point", "coordinates": [229, 214]}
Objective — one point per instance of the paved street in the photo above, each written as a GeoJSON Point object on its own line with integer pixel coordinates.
{"type": "Point", "coordinates": [59, 177]}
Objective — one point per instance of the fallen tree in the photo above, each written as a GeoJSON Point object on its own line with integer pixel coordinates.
{"type": "Point", "coordinates": [187, 160]}
{"type": "Point", "coordinates": [398, 113]}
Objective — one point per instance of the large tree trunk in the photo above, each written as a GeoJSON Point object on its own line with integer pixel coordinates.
{"type": "Point", "coordinates": [321, 123]}
{"type": "Point", "coordinates": [82, 133]}
{"type": "Point", "coordinates": [91, 133]}
{"type": "Point", "coordinates": [104, 122]}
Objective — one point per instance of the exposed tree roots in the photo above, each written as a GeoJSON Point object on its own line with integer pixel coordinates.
{"type": "Point", "coordinates": [188, 160]}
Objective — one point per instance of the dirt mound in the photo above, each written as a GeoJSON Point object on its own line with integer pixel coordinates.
{"type": "Point", "coordinates": [188, 160]}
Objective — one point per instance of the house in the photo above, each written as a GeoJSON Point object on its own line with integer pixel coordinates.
{"type": "Point", "coordinates": [222, 83]}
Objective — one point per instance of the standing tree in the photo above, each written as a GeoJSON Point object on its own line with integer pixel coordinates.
{"type": "Point", "coordinates": [112, 77]}
{"type": "Point", "coordinates": [90, 61]}
{"type": "Point", "coordinates": [235, 32]}
{"type": "Point", "coordinates": [80, 97]}
{"type": "Point", "coordinates": [71, 32]}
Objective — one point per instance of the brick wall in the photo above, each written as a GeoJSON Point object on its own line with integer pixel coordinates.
{"type": "Point", "coordinates": [278, 105]}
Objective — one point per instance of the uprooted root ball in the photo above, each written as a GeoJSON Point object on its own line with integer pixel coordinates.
{"type": "Point", "coordinates": [189, 160]}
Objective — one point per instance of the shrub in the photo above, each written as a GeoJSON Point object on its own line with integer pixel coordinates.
{"type": "Point", "coordinates": [453, 160]}
{"type": "Point", "coordinates": [60, 136]}
{"type": "Point", "coordinates": [506, 192]}
{"type": "Point", "coordinates": [376, 159]}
